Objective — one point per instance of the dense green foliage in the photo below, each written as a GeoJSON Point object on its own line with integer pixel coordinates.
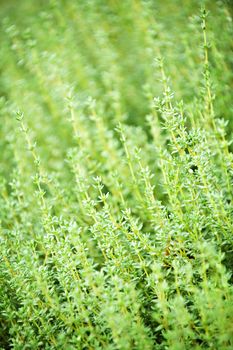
{"type": "Point", "coordinates": [116, 172]}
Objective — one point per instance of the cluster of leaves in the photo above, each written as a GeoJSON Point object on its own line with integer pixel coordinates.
{"type": "Point", "coordinates": [116, 211]}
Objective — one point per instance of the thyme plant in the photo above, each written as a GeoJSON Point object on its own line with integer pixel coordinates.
{"type": "Point", "coordinates": [116, 172]}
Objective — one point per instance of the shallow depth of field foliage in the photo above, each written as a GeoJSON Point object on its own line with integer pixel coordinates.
{"type": "Point", "coordinates": [116, 172]}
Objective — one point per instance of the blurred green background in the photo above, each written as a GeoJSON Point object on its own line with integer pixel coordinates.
{"type": "Point", "coordinates": [106, 50]}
